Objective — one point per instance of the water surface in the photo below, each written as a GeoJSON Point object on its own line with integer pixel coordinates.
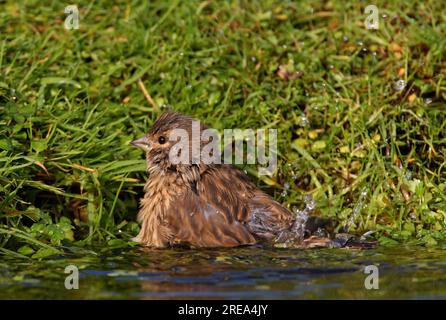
{"type": "Point", "coordinates": [242, 273]}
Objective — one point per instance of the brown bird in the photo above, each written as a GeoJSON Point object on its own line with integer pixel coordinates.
{"type": "Point", "coordinates": [206, 205]}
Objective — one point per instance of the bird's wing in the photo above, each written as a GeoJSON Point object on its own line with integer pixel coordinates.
{"type": "Point", "coordinates": [214, 211]}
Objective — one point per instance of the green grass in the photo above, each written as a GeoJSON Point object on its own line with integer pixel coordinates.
{"type": "Point", "coordinates": [70, 104]}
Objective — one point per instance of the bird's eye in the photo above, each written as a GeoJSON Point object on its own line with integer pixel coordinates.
{"type": "Point", "coordinates": [162, 140]}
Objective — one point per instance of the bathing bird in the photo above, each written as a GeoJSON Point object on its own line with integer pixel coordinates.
{"type": "Point", "coordinates": [205, 204]}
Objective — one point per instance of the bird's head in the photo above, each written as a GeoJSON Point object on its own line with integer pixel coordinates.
{"type": "Point", "coordinates": [169, 144]}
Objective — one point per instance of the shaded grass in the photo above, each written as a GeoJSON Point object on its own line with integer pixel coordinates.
{"type": "Point", "coordinates": [70, 104]}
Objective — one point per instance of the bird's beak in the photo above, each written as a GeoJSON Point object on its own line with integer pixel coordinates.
{"type": "Point", "coordinates": [142, 143]}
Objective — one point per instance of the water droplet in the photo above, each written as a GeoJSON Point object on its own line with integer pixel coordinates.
{"type": "Point", "coordinates": [428, 101]}
{"type": "Point", "coordinates": [309, 201]}
{"type": "Point", "coordinates": [321, 233]}
{"type": "Point", "coordinates": [399, 85]}
{"type": "Point", "coordinates": [357, 208]}
{"type": "Point", "coordinates": [364, 49]}
{"type": "Point", "coordinates": [299, 225]}
{"type": "Point", "coordinates": [303, 121]}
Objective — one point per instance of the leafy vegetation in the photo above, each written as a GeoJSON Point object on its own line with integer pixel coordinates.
{"type": "Point", "coordinates": [360, 113]}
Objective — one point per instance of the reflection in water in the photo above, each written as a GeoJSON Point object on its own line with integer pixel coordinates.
{"type": "Point", "coordinates": [242, 273]}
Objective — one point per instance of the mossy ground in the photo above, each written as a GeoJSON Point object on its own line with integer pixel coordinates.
{"type": "Point", "coordinates": [70, 104]}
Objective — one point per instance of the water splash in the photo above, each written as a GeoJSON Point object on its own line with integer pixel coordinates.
{"type": "Point", "coordinates": [357, 208]}
{"type": "Point", "coordinates": [302, 215]}
{"type": "Point", "coordinates": [399, 85]}
{"type": "Point", "coordinates": [310, 204]}
{"type": "Point", "coordinates": [303, 121]}
{"type": "Point", "coordinates": [286, 186]}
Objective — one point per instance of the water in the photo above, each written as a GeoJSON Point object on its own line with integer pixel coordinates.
{"type": "Point", "coordinates": [299, 226]}
{"type": "Point", "coordinates": [303, 121]}
{"type": "Point", "coordinates": [241, 273]}
{"type": "Point", "coordinates": [357, 209]}
{"type": "Point", "coordinates": [399, 85]}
